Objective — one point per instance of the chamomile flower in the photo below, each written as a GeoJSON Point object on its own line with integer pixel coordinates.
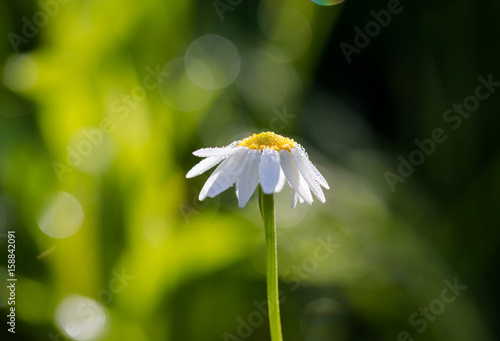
{"type": "Point", "coordinates": [267, 158]}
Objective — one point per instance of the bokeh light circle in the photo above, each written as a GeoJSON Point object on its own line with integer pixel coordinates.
{"type": "Point", "coordinates": [178, 91]}
{"type": "Point", "coordinates": [80, 318]}
{"type": "Point", "coordinates": [61, 216]}
{"type": "Point", "coordinates": [327, 2]}
{"type": "Point", "coordinates": [218, 62]}
{"type": "Point", "coordinates": [199, 73]}
{"type": "Point", "coordinates": [20, 72]}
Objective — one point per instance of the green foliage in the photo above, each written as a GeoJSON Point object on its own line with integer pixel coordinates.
{"type": "Point", "coordinates": [98, 119]}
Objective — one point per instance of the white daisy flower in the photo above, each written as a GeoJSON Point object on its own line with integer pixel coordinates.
{"type": "Point", "coordinates": [267, 158]}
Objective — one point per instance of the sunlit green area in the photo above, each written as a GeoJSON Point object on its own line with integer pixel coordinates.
{"type": "Point", "coordinates": [103, 102]}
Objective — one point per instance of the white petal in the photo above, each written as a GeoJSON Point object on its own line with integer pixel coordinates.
{"type": "Point", "coordinates": [208, 184]}
{"type": "Point", "coordinates": [204, 165]}
{"type": "Point", "coordinates": [296, 197]}
{"type": "Point", "coordinates": [308, 175]}
{"type": "Point", "coordinates": [269, 170]}
{"type": "Point", "coordinates": [293, 175]}
{"type": "Point", "coordinates": [319, 178]}
{"type": "Point", "coordinates": [229, 174]}
{"type": "Point", "coordinates": [281, 182]}
{"type": "Point", "coordinates": [222, 151]}
{"type": "Point", "coordinates": [305, 188]}
{"type": "Point", "coordinates": [249, 178]}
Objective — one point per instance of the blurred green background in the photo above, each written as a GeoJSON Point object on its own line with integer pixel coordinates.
{"type": "Point", "coordinates": [103, 102]}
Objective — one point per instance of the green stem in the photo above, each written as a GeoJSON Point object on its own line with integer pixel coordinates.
{"type": "Point", "coordinates": [266, 204]}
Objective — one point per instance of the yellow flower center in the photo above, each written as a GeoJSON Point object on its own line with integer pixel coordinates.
{"type": "Point", "coordinates": [267, 140]}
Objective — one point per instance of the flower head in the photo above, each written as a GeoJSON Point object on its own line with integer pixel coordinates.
{"type": "Point", "coordinates": [265, 157]}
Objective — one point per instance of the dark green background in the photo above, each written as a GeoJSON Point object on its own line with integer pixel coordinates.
{"type": "Point", "coordinates": [198, 267]}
